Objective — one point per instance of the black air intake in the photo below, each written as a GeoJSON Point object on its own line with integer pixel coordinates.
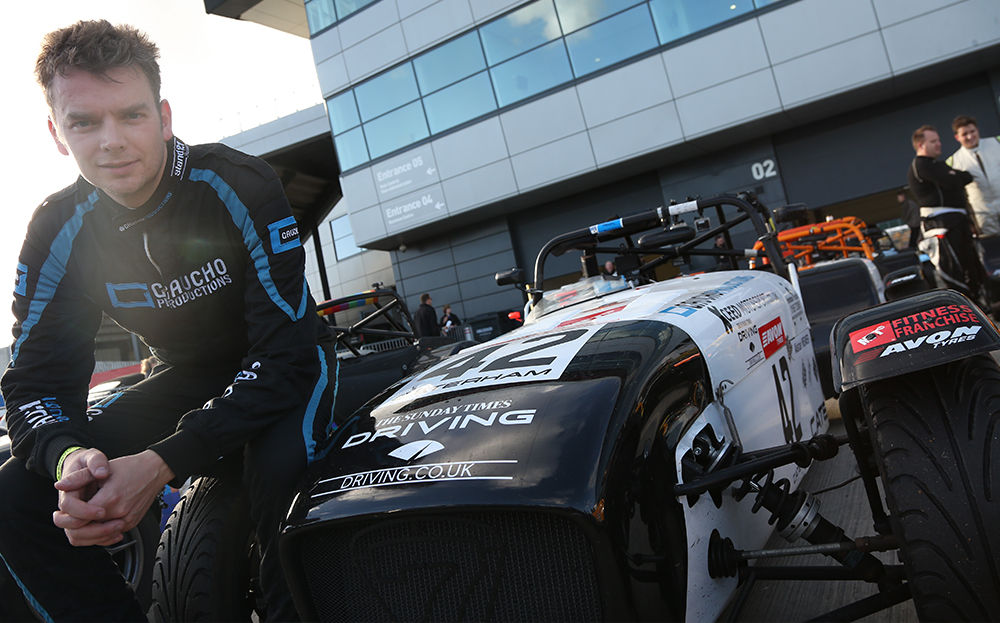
{"type": "Point", "coordinates": [480, 566]}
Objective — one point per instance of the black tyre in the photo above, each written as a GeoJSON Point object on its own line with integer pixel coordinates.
{"type": "Point", "coordinates": [206, 564]}
{"type": "Point", "coordinates": [936, 443]}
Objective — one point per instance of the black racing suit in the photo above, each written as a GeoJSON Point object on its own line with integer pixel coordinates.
{"type": "Point", "coordinates": [209, 274]}
{"type": "Point", "coordinates": [940, 193]}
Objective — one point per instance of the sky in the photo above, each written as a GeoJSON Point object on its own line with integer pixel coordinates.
{"type": "Point", "coordinates": [220, 75]}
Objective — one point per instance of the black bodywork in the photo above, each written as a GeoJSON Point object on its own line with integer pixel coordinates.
{"type": "Point", "coordinates": [590, 487]}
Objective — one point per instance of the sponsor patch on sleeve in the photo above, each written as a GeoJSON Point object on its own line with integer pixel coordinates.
{"type": "Point", "coordinates": [284, 235]}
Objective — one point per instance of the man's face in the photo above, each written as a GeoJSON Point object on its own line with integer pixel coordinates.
{"type": "Point", "coordinates": [114, 130]}
{"type": "Point", "coordinates": [931, 145]}
{"type": "Point", "coordinates": [968, 136]}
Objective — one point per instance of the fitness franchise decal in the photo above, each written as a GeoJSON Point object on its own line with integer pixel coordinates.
{"type": "Point", "coordinates": [934, 328]}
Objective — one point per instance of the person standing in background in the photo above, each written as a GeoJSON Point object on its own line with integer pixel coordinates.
{"type": "Point", "coordinates": [981, 159]}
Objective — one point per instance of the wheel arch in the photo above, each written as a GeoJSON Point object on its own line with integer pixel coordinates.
{"type": "Point", "coordinates": [912, 333]}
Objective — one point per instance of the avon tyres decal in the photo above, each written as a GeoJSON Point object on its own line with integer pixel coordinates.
{"type": "Point", "coordinates": [938, 327]}
{"type": "Point", "coordinates": [539, 358]}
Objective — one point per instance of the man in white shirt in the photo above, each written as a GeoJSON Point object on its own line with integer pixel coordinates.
{"type": "Point", "coordinates": [982, 160]}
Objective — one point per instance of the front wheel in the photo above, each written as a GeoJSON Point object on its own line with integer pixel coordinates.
{"type": "Point", "coordinates": [207, 562]}
{"type": "Point", "coordinates": [937, 442]}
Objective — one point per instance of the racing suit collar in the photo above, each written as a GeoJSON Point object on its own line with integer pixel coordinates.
{"type": "Point", "coordinates": [177, 168]}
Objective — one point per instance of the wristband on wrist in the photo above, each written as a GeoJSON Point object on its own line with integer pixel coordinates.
{"type": "Point", "coordinates": [62, 459]}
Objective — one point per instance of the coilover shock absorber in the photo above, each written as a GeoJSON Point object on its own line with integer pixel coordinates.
{"type": "Point", "coordinates": [795, 515]}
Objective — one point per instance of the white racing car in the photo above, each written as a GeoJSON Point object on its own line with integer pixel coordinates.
{"type": "Point", "coordinates": [626, 454]}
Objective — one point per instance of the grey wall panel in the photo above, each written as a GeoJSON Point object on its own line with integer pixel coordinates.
{"type": "Point", "coordinates": [553, 162]}
{"type": "Point", "coordinates": [748, 167]}
{"type": "Point", "coordinates": [437, 280]}
{"type": "Point", "coordinates": [868, 151]}
{"type": "Point", "coordinates": [364, 24]}
{"type": "Point", "coordinates": [332, 75]}
{"type": "Point", "coordinates": [476, 188]}
{"type": "Point", "coordinates": [716, 58]}
{"type": "Point", "coordinates": [635, 87]}
{"type": "Point", "coordinates": [833, 69]}
{"type": "Point", "coordinates": [639, 133]}
{"type": "Point", "coordinates": [326, 44]}
{"type": "Point", "coordinates": [728, 104]}
{"type": "Point", "coordinates": [436, 23]}
{"type": "Point", "coordinates": [359, 189]}
{"type": "Point", "coordinates": [956, 29]}
{"type": "Point", "coordinates": [470, 148]}
{"type": "Point", "coordinates": [490, 245]}
{"type": "Point", "coordinates": [375, 53]}
{"type": "Point", "coordinates": [810, 25]}
{"type": "Point", "coordinates": [541, 122]}
{"type": "Point", "coordinates": [367, 225]}
{"type": "Point", "coordinates": [424, 260]}
{"type": "Point", "coordinates": [502, 299]}
{"type": "Point", "coordinates": [407, 211]}
{"type": "Point", "coordinates": [891, 12]}
{"type": "Point", "coordinates": [485, 266]}
{"type": "Point", "coordinates": [407, 8]}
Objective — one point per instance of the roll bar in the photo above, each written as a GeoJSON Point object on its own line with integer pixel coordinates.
{"type": "Point", "coordinates": [589, 238]}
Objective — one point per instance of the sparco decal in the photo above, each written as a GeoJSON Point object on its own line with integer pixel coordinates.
{"type": "Point", "coordinates": [186, 288]}
{"type": "Point", "coordinates": [42, 412]}
{"type": "Point", "coordinates": [686, 307]}
{"type": "Point", "coordinates": [435, 472]}
{"type": "Point", "coordinates": [423, 428]}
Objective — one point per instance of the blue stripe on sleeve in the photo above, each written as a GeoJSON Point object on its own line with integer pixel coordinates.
{"type": "Point", "coordinates": [241, 216]}
{"type": "Point", "coordinates": [52, 271]}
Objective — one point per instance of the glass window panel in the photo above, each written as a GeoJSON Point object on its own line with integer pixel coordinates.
{"type": "Point", "coordinates": [345, 247]}
{"type": "Point", "coordinates": [575, 14]}
{"type": "Point", "coordinates": [319, 14]}
{"type": "Point", "coordinates": [343, 238]}
{"type": "Point", "coordinates": [346, 7]}
{"type": "Point", "coordinates": [386, 92]}
{"type": "Point", "coordinates": [523, 30]}
{"type": "Point", "coordinates": [449, 63]}
{"type": "Point", "coordinates": [677, 18]}
{"type": "Point", "coordinates": [343, 112]}
{"type": "Point", "coordinates": [760, 4]}
{"type": "Point", "coordinates": [396, 130]}
{"type": "Point", "coordinates": [351, 149]}
{"type": "Point", "coordinates": [460, 102]}
{"type": "Point", "coordinates": [341, 227]}
{"type": "Point", "coordinates": [531, 73]}
{"type": "Point", "coordinates": [610, 41]}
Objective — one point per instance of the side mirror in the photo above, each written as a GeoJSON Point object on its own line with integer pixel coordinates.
{"type": "Point", "coordinates": [514, 276]}
{"type": "Point", "coordinates": [667, 237]}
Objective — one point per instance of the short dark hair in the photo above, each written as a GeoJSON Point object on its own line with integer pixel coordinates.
{"type": "Point", "coordinates": [918, 134]}
{"type": "Point", "coordinates": [96, 47]}
{"type": "Point", "coordinates": [424, 298]}
{"type": "Point", "coordinates": [961, 121]}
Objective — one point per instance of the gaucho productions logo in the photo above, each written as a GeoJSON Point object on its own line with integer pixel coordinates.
{"type": "Point", "coordinates": [174, 293]}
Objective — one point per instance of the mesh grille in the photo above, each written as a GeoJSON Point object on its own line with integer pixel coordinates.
{"type": "Point", "coordinates": [499, 566]}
